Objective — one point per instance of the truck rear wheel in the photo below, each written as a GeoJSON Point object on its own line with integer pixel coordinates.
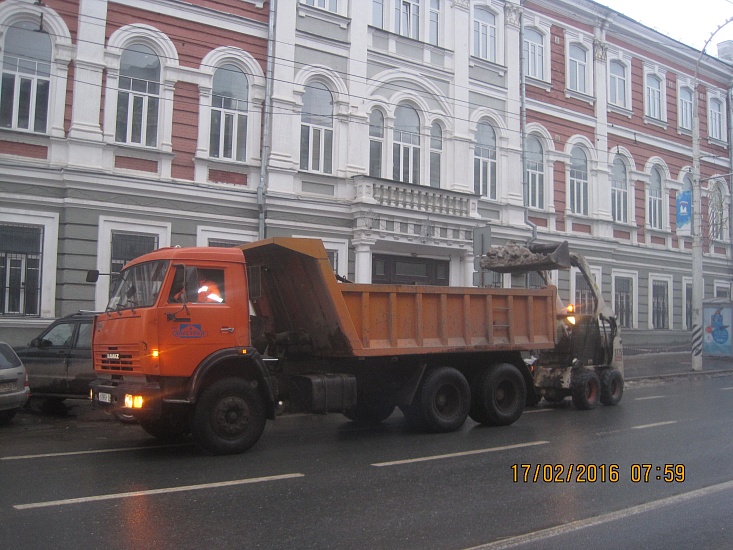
{"type": "Point", "coordinates": [443, 401]}
{"type": "Point", "coordinates": [612, 387]}
{"type": "Point", "coordinates": [498, 396]}
{"type": "Point", "coordinates": [585, 388]}
{"type": "Point", "coordinates": [229, 417]}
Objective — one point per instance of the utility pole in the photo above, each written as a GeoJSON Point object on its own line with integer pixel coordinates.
{"type": "Point", "coordinates": [698, 283]}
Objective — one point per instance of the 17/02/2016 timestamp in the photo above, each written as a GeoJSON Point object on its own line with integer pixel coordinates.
{"type": "Point", "coordinates": [595, 473]}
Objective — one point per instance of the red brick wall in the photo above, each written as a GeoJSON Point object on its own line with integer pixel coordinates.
{"type": "Point", "coordinates": [23, 150]}
{"type": "Point", "coordinates": [185, 129]}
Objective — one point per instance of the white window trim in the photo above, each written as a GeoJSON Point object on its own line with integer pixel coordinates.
{"type": "Point", "coordinates": [722, 284]}
{"type": "Point", "coordinates": [497, 45]}
{"type": "Point", "coordinates": [588, 66]}
{"type": "Point", "coordinates": [50, 223]}
{"type": "Point", "coordinates": [341, 7]}
{"type": "Point", "coordinates": [720, 97]}
{"type": "Point", "coordinates": [662, 76]}
{"type": "Point", "coordinates": [204, 233]}
{"type": "Point", "coordinates": [626, 107]}
{"type": "Point", "coordinates": [670, 304]}
{"type": "Point", "coordinates": [107, 225]}
{"type": "Point", "coordinates": [544, 28]}
{"type": "Point", "coordinates": [634, 276]}
{"type": "Point", "coordinates": [684, 83]}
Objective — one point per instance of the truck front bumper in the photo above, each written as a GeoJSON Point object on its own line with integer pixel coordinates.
{"type": "Point", "coordinates": [137, 398]}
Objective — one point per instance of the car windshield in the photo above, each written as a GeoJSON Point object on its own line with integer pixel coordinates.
{"type": "Point", "coordinates": [138, 286]}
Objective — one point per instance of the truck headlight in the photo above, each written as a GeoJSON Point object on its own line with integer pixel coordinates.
{"type": "Point", "coordinates": [133, 401]}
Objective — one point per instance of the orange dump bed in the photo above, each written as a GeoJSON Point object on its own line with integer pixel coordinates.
{"type": "Point", "coordinates": [298, 292]}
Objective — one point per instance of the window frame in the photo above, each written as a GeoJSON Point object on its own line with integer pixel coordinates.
{"type": "Point", "coordinates": [716, 120]}
{"type": "Point", "coordinates": [319, 159]}
{"type": "Point", "coordinates": [407, 18]}
{"type": "Point", "coordinates": [578, 70]}
{"type": "Point", "coordinates": [407, 153]}
{"type": "Point", "coordinates": [655, 108]}
{"type": "Point", "coordinates": [485, 164]}
{"type": "Point", "coordinates": [146, 104]}
{"type": "Point", "coordinates": [534, 55]}
{"type": "Point", "coordinates": [238, 133]}
{"type": "Point", "coordinates": [634, 277]}
{"type": "Point", "coordinates": [579, 188]}
{"type": "Point", "coordinates": [620, 194]}
{"type": "Point", "coordinates": [618, 84]}
{"type": "Point", "coordinates": [535, 178]}
{"type": "Point", "coordinates": [655, 201]}
{"type": "Point", "coordinates": [376, 158]}
{"type": "Point", "coordinates": [436, 155]}
{"type": "Point", "coordinates": [653, 278]}
{"type": "Point", "coordinates": [485, 35]}
{"type": "Point", "coordinates": [684, 114]}
{"type": "Point", "coordinates": [325, 5]}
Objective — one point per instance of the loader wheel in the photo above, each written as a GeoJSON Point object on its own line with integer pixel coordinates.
{"type": "Point", "coordinates": [229, 417]}
{"type": "Point", "coordinates": [498, 396]}
{"type": "Point", "coordinates": [585, 389]}
{"type": "Point", "coordinates": [370, 411]}
{"type": "Point", "coordinates": [612, 387]}
{"type": "Point", "coordinates": [443, 401]}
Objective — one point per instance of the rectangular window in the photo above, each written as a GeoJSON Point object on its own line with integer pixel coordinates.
{"type": "Point", "coordinates": [378, 13]}
{"type": "Point", "coordinates": [434, 21]}
{"type": "Point", "coordinates": [329, 5]}
{"type": "Point", "coordinates": [137, 112]}
{"type": "Point", "coordinates": [654, 98]}
{"type": "Point", "coordinates": [624, 301]}
{"type": "Point", "coordinates": [578, 192]}
{"type": "Point", "coordinates": [619, 198]}
{"type": "Point", "coordinates": [655, 209]}
{"type": "Point", "coordinates": [715, 123]}
{"type": "Point", "coordinates": [660, 305]}
{"type": "Point", "coordinates": [21, 256]}
{"type": "Point", "coordinates": [585, 302]}
{"type": "Point", "coordinates": [316, 149]}
{"type": "Point", "coordinates": [484, 172]}
{"type": "Point", "coordinates": [128, 246]}
{"type": "Point", "coordinates": [617, 87]}
{"type": "Point", "coordinates": [535, 180]}
{"type": "Point", "coordinates": [407, 18]}
{"type": "Point", "coordinates": [685, 110]}
{"type": "Point", "coordinates": [375, 158]}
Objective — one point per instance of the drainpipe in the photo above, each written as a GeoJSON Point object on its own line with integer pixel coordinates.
{"type": "Point", "coordinates": [523, 125]}
{"type": "Point", "coordinates": [267, 124]}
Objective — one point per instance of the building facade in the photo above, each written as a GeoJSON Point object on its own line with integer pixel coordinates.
{"type": "Point", "coordinates": [395, 130]}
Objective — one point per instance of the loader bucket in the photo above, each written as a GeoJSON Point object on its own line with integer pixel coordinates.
{"type": "Point", "coordinates": [514, 258]}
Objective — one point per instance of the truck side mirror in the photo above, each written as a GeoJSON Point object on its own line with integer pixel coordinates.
{"type": "Point", "coordinates": [92, 276]}
{"type": "Point", "coordinates": [191, 284]}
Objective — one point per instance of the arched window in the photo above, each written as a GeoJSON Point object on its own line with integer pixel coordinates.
{"type": "Point", "coordinates": [617, 84]}
{"type": "Point", "coordinates": [406, 145]}
{"type": "Point", "coordinates": [716, 212]}
{"type": "Point", "coordinates": [715, 119]}
{"type": "Point", "coordinates": [484, 161]}
{"type": "Point", "coordinates": [578, 182]}
{"type": "Point", "coordinates": [376, 142]}
{"type": "Point", "coordinates": [484, 34]}
{"type": "Point", "coordinates": [653, 97]}
{"type": "Point", "coordinates": [619, 191]}
{"type": "Point", "coordinates": [316, 129]}
{"type": "Point", "coordinates": [436, 151]}
{"type": "Point", "coordinates": [138, 98]}
{"type": "Point", "coordinates": [654, 210]}
{"type": "Point", "coordinates": [534, 54]}
{"type": "Point", "coordinates": [229, 106]}
{"type": "Point", "coordinates": [535, 173]}
{"type": "Point", "coordinates": [578, 64]}
{"type": "Point", "coordinates": [24, 95]}
{"type": "Point", "coordinates": [685, 120]}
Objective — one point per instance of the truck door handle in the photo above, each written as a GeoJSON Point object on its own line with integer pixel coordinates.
{"type": "Point", "coordinates": [227, 329]}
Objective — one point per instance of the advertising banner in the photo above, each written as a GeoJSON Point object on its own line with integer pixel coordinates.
{"type": "Point", "coordinates": [717, 321]}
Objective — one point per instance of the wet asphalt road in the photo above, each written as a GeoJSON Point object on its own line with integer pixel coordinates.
{"type": "Point", "coordinates": [83, 480]}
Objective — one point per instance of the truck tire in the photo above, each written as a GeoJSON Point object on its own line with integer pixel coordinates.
{"type": "Point", "coordinates": [498, 396]}
{"type": "Point", "coordinates": [612, 387]}
{"type": "Point", "coordinates": [370, 411]}
{"type": "Point", "coordinates": [585, 388]}
{"type": "Point", "coordinates": [229, 417]}
{"type": "Point", "coordinates": [443, 401]}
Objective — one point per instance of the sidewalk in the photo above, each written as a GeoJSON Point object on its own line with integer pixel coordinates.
{"type": "Point", "coordinates": [672, 361]}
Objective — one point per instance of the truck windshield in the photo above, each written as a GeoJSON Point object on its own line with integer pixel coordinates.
{"type": "Point", "coordinates": [138, 286]}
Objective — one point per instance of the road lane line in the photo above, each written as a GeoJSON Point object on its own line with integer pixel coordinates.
{"type": "Point", "coordinates": [532, 538]}
{"type": "Point", "coordinates": [154, 491]}
{"type": "Point", "coordinates": [643, 426]}
{"type": "Point", "coordinates": [537, 411]}
{"type": "Point", "coordinates": [454, 455]}
{"type": "Point", "coordinates": [92, 452]}
{"type": "Point", "coordinates": [727, 389]}
{"type": "Point", "coordinates": [650, 397]}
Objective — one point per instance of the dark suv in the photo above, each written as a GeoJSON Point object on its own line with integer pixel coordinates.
{"type": "Point", "coordinates": [59, 360]}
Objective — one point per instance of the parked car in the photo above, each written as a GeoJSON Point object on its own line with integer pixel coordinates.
{"type": "Point", "coordinates": [59, 360]}
{"type": "Point", "coordinates": [14, 390]}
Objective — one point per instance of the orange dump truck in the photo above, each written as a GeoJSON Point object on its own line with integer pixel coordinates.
{"type": "Point", "coordinates": [214, 341]}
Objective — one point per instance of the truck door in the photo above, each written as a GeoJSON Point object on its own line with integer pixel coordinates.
{"type": "Point", "coordinates": [210, 321]}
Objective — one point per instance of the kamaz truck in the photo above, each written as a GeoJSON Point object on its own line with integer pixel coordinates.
{"type": "Point", "coordinates": [212, 342]}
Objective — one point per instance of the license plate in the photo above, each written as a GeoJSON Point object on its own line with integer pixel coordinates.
{"type": "Point", "coordinates": [104, 397]}
{"type": "Point", "coordinates": [7, 387]}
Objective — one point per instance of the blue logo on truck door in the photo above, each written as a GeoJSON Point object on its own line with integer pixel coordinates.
{"type": "Point", "coordinates": [189, 330]}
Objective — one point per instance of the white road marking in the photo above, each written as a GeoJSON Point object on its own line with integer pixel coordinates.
{"type": "Point", "coordinates": [530, 538]}
{"type": "Point", "coordinates": [154, 491]}
{"type": "Point", "coordinates": [641, 427]}
{"type": "Point", "coordinates": [727, 389]}
{"type": "Point", "coordinates": [454, 455]}
{"type": "Point", "coordinates": [92, 452]}
{"type": "Point", "coordinates": [537, 411]}
{"type": "Point", "coordinates": [650, 397]}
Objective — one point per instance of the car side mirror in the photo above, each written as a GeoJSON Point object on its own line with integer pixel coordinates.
{"type": "Point", "coordinates": [35, 343]}
{"type": "Point", "coordinates": [92, 276]}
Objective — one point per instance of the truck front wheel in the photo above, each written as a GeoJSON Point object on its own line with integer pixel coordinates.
{"type": "Point", "coordinates": [229, 416]}
{"type": "Point", "coordinates": [443, 400]}
{"type": "Point", "coordinates": [498, 396]}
